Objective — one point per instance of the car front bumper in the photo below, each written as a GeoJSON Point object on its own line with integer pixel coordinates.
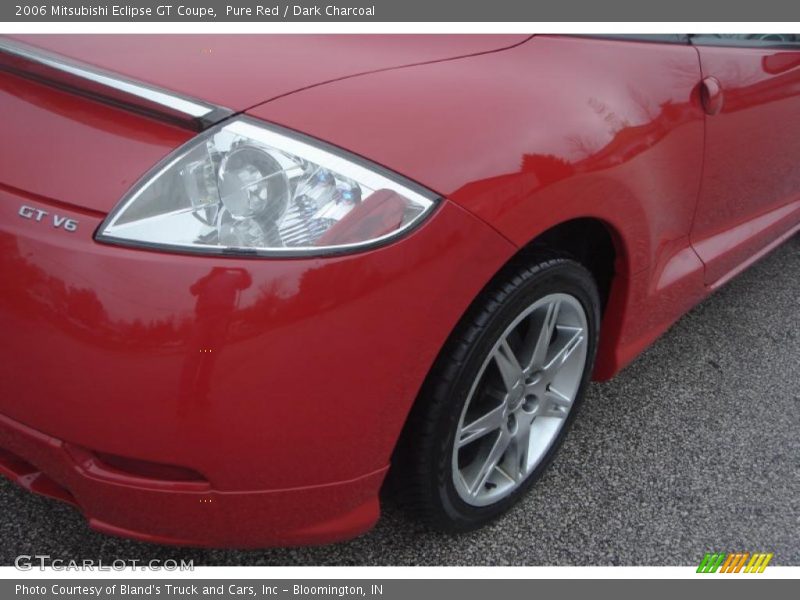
{"type": "Point", "coordinates": [186, 514]}
{"type": "Point", "coordinates": [279, 386]}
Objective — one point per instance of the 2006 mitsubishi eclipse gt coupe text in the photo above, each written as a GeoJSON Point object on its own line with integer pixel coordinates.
{"type": "Point", "coordinates": [247, 279]}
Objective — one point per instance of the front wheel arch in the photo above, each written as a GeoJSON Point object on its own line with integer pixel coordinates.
{"type": "Point", "coordinates": [417, 461]}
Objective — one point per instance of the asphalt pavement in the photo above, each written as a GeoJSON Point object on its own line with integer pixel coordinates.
{"type": "Point", "coordinates": [694, 447]}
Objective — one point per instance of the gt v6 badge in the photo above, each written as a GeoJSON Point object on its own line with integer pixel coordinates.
{"type": "Point", "coordinates": [38, 215]}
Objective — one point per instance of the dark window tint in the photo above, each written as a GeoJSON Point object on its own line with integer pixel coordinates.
{"type": "Point", "coordinates": [747, 39]}
{"type": "Point", "coordinates": [644, 37]}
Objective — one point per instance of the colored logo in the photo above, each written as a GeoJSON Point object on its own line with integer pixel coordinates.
{"type": "Point", "coordinates": [734, 562]}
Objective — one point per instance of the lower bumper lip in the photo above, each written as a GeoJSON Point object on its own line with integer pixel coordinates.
{"type": "Point", "coordinates": [44, 465]}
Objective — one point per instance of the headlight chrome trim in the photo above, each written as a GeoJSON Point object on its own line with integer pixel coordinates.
{"type": "Point", "coordinates": [301, 142]}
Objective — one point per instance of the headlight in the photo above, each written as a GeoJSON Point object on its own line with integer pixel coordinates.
{"type": "Point", "coordinates": [244, 187]}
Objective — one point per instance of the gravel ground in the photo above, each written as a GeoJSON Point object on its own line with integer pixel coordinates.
{"type": "Point", "coordinates": [694, 447]}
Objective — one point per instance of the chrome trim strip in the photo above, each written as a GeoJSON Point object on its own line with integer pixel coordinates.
{"type": "Point", "coordinates": [104, 85]}
{"type": "Point", "coordinates": [185, 106]}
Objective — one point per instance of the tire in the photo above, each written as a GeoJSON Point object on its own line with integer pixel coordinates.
{"type": "Point", "coordinates": [447, 486]}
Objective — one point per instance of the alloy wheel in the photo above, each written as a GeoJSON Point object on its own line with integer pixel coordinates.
{"type": "Point", "coordinates": [520, 399]}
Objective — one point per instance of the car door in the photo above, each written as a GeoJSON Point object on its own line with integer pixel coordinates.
{"type": "Point", "coordinates": [750, 192]}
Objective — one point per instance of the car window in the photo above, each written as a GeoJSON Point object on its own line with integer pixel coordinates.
{"type": "Point", "coordinates": [747, 39]}
{"type": "Point", "coordinates": [643, 37]}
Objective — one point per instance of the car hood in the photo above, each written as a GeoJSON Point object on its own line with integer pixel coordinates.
{"type": "Point", "coordinates": [241, 71]}
{"type": "Point", "coordinates": [64, 147]}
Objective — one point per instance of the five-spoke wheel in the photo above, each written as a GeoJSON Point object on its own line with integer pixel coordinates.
{"type": "Point", "coordinates": [501, 395]}
{"type": "Point", "coordinates": [520, 399]}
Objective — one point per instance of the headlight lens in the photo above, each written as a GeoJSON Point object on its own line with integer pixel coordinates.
{"type": "Point", "coordinates": [245, 187]}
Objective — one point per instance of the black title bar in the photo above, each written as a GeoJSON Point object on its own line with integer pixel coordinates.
{"type": "Point", "coordinates": [400, 11]}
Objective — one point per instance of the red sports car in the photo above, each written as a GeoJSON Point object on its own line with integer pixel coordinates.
{"type": "Point", "coordinates": [244, 279]}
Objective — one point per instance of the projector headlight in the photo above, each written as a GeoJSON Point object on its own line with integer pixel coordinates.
{"type": "Point", "coordinates": [245, 187]}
